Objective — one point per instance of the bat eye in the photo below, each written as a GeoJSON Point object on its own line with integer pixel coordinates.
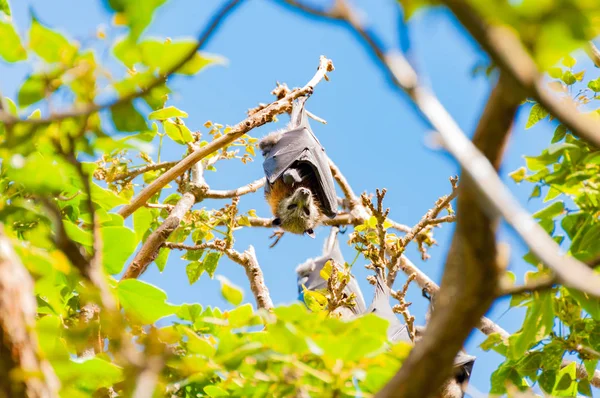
{"type": "Point", "coordinates": [276, 222]}
{"type": "Point", "coordinates": [292, 206]}
{"type": "Point", "coordinates": [306, 211]}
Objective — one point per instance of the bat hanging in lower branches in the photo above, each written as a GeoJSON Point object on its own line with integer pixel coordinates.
{"type": "Point", "coordinates": [309, 278]}
{"type": "Point", "coordinates": [300, 188]}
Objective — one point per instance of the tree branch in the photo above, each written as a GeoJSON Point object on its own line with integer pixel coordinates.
{"type": "Point", "coordinates": [131, 174]}
{"type": "Point", "coordinates": [542, 283]}
{"type": "Point", "coordinates": [232, 193]}
{"type": "Point", "coordinates": [493, 195]}
{"type": "Point", "coordinates": [505, 48]}
{"type": "Point", "coordinates": [258, 119]}
{"type": "Point", "coordinates": [471, 273]}
{"type": "Point", "coordinates": [593, 53]}
{"type": "Point", "coordinates": [246, 259]}
{"type": "Point", "coordinates": [150, 248]}
{"type": "Point", "coordinates": [24, 371]}
{"type": "Point", "coordinates": [203, 38]}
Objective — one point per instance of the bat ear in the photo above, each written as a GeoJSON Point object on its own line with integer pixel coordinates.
{"type": "Point", "coordinates": [276, 222]}
{"type": "Point", "coordinates": [310, 233]}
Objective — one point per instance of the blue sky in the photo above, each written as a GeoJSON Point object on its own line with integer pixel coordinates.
{"type": "Point", "coordinates": [373, 133]}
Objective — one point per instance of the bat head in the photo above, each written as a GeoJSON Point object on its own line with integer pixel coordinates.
{"type": "Point", "coordinates": [298, 213]}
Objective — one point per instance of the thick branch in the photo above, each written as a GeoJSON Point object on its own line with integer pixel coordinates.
{"type": "Point", "coordinates": [23, 371]}
{"type": "Point", "coordinates": [505, 48]}
{"type": "Point", "coordinates": [493, 195]}
{"type": "Point", "coordinates": [471, 273]}
{"type": "Point", "coordinates": [204, 37]}
{"type": "Point", "coordinates": [258, 119]}
{"type": "Point", "coordinates": [150, 248]}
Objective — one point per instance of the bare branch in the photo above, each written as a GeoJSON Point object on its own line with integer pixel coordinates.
{"type": "Point", "coordinates": [493, 195]}
{"type": "Point", "coordinates": [505, 48]}
{"type": "Point", "coordinates": [258, 119]}
{"type": "Point", "coordinates": [232, 193]}
{"type": "Point", "coordinates": [24, 371]}
{"type": "Point", "coordinates": [204, 37]}
{"type": "Point", "coordinates": [246, 259]}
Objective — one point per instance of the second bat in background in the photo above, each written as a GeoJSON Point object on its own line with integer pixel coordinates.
{"type": "Point", "coordinates": [300, 188]}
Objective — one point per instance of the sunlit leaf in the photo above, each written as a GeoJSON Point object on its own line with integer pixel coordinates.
{"type": "Point", "coordinates": [230, 292]}
{"type": "Point", "coordinates": [11, 49]}
{"type": "Point", "coordinates": [143, 302]}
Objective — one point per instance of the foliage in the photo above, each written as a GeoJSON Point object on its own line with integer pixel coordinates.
{"type": "Point", "coordinates": [66, 178]}
{"type": "Point", "coordinates": [206, 351]}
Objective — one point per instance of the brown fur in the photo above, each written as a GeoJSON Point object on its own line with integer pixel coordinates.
{"type": "Point", "coordinates": [280, 190]}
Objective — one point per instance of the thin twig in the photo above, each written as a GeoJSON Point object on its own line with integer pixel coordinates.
{"type": "Point", "coordinates": [203, 39]}
{"type": "Point", "coordinates": [536, 285]}
{"type": "Point", "coordinates": [131, 174]}
{"type": "Point", "coordinates": [256, 120]}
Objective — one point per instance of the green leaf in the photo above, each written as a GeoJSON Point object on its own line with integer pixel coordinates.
{"type": "Point", "coordinates": [214, 391]}
{"type": "Point", "coordinates": [50, 45]}
{"type": "Point", "coordinates": [5, 8]}
{"type": "Point", "coordinates": [551, 211]}
{"type": "Point", "coordinates": [594, 85]}
{"type": "Point", "coordinates": [105, 198]}
{"type": "Point", "coordinates": [137, 14]}
{"type": "Point", "coordinates": [11, 49]}
{"type": "Point", "coordinates": [241, 315]}
{"type": "Point", "coordinates": [198, 345]}
{"type": "Point", "coordinates": [178, 132]}
{"type": "Point", "coordinates": [230, 292]}
{"type": "Point", "coordinates": [518, 175]}
{"type": "Point", "coordinates": [210, 263]}
{"type": "Point", "coordinates": [167, 113]}
{"type": "Point", "coordinates": [87, 375]}
{"type": "Point", "coordinates": [536, 114]}
{"type": "Point", "coordinates": [118, 244]}
{"type": "Point", "coordinates": [32, 90]}
{"type": "Point", "coordinates": [189, 312]}
{"type": "Point", "coordinates": [591, 305]}
{"type": "Point", "coordinates": [569, 61]}
{"type": "Point", "coordinates": [142, 220]}
{"type": "Point", "coordinates": [314, 300]}
{"type": "Point", "coordinates": [536, 193]}
{"type": "Point", "coordinates": [584, 388]}
{"type": "Point", "coordinates": [127, 118]}
{"type": "Point", "coordinates": [143, 301]}
{"type": "Point", "coordinates": [162, 258]}
{"type": "Point", "coordinates": [559, 133]}
{"type": "Point", "coordinates": [567, 381]}
{"type": "Point", "coordinates": [547, 380]}
{"type": "Point", "coordinates": [569, 78]}
{"type": "Point", "coordinates": [194, 270]}
{"type": "Point", "coordinates": [538, 323]}
{"type": "Point", "coordinates": [77, 234]}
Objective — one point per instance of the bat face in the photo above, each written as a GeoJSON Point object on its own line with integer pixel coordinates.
{"type": "Point", "coordinates": [298, 213]}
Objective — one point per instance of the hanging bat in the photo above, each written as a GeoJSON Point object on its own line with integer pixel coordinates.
{"type": "Point", "coordinates": [397, 331]}
{"type": "Point", "coordinates": [299, 188]}
{"type": "Point", "coordinates": [309, 276]}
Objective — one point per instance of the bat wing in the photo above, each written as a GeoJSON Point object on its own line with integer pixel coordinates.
{"type": "Point", "coordinates": [309, 273]}
{"type": "Point", "coordinates": [380, 306]}
{"type": "Point", "coordinates": [297, 147]}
